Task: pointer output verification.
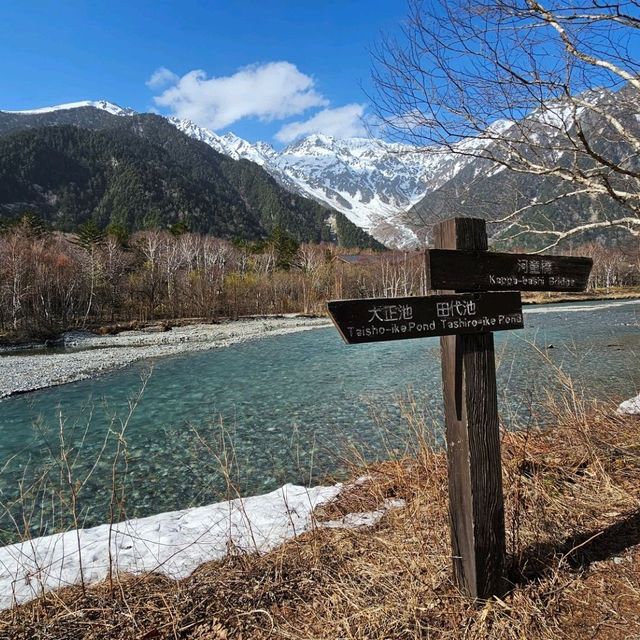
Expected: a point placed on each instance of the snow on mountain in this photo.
(111, 108)
(372, 182)
(377, 184)
(394, 191)
(229, 144)
(198, 133)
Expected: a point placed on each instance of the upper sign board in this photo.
(380, 319)
(488, 271)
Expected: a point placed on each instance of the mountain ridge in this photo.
(396, 191)
(371, 182)
(141, 171)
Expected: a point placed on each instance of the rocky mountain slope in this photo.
(370, 181)
(590, 135)
(398, 191)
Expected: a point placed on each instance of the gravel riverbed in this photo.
(90, 354)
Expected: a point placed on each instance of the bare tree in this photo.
(14, 257)
(546, 88)
(149, 244)
(115, 263)
(310, 260)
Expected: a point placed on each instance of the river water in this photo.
(280, 409)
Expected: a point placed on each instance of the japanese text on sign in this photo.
(456, 308)
(482, 271)
(391, 313)
(535, 267)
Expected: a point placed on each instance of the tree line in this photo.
(51, 281)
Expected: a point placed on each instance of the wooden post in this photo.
(476, 505)
(460, 261)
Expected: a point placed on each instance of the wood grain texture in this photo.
(473, 441)
(380, 319)
(484, 271)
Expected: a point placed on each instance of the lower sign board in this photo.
(488, 271)
(379, 319)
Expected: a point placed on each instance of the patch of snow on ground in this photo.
(630, 407)
(366, 519)
(173, 543)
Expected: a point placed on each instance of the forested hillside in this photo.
(141, 172)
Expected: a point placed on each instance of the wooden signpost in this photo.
(378, 319)
(484, 271)
(459, 263)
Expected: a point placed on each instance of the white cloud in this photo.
(161, 77)
(269, 91)
(341, 122)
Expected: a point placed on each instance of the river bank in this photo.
(80, 355)
(86, 354)
(573, 543)
(554, 297)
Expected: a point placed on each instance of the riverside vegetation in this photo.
(572, 497)
(52, 281)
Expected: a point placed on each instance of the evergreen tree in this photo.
(178, 228)
(33, 224)
(352, 237)
(119, 232)
(30, 224)
(285, 247)
(90, 236)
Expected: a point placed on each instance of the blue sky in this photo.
(266, 70)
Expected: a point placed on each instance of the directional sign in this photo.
(379, 319)
(469, 389)
(487, 271)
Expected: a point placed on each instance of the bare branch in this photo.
(517, 88)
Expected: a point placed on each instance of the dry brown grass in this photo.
(573, 520)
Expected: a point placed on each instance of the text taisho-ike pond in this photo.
(279, 409)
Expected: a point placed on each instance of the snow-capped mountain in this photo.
(103, 105)
(549, 173)
(395, 192)
(68, 166)
(370, 181)
(373, 183)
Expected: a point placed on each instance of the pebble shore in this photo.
(90, 354)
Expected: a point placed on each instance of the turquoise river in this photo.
(249, 417)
